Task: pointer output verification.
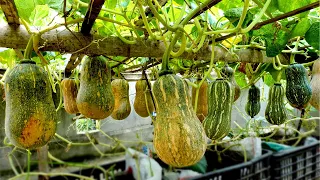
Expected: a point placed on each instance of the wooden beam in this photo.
(93, 11)
(64, 41)
(10, 11)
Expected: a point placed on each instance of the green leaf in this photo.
(275, 44)
(24, 8)
(54, 4)
(225, 5)
(268, 79)
(286, 5)
(312, 35)
(234, 14)
(200, 166)
(301, 28)
(180, 2)
(274, 73)
(39, 14)
(124, 3)
(8, 57)
(111, 4)
(240, 79)
(276, 39)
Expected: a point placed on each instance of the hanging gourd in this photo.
(31, 117)
(179, 138)
(202, 105)
(220, 98)
(120, 91)
(298, 89)
(70, 91)
(315, 85)
(275, 111)
(143, 104)
(95, 99)
(253, 103)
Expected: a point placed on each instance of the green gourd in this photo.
(275, 111)
(253, 103)
(217, 124)
(31, 117)
(298, 89)
(95, 99)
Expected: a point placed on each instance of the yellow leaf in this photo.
(228, 42)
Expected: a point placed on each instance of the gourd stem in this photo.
(166, 55)
(274, 64)
(182, 47)
(279, 76)
(29, 48)
(292, 61)
(218, 72)
(300, 121)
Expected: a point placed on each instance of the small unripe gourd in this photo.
(228, 72)
(31, 117)
(202, 106)
(275, 111)
(220, 98)
(315, 85)
(253, 103)
(298, 89)
(70, 91)
(143, 104)
(179, 138)
(120, 91)
(95, 99)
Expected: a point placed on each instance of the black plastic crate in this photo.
(301, 163)
(97, 174)
(255, 169)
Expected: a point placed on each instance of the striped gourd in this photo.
(179, 138)
(220, 98)
(298, 89)
(276, 112)
(253, 104)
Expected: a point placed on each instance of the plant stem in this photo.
(243, 15)
(29, 48)
(166, 55)
(255, 21)
(300, 121)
